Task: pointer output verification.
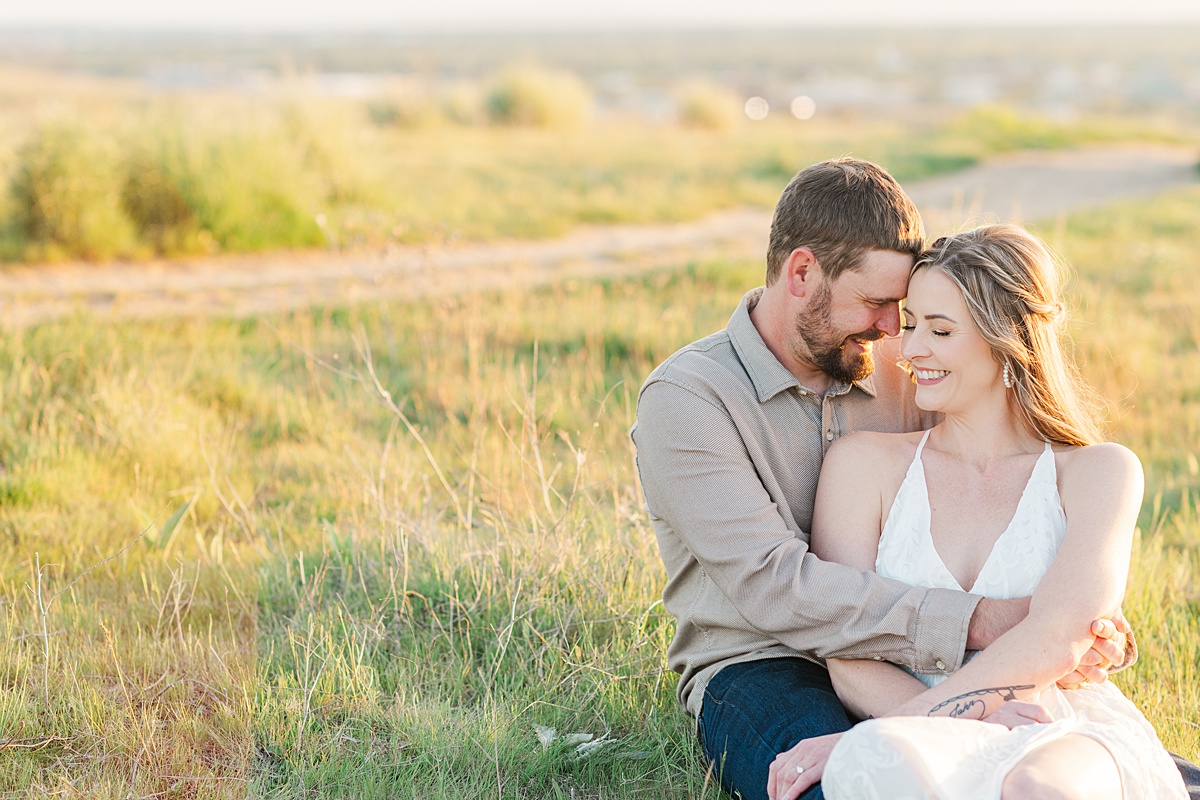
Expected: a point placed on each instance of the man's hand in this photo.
(1110, 639)
(993, 618)
(1016, 713)
(797, 769)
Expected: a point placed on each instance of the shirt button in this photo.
(879, 658)
(829, 436)
(940, 664)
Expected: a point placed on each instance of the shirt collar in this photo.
(766, 373)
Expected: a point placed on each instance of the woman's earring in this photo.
(1008, 380)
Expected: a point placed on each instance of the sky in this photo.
(484, 15)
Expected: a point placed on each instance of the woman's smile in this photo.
(929, 377)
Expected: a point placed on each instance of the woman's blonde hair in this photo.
(1012, 286)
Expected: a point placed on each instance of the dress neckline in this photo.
(919, 466)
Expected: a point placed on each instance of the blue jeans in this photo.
(1191, 776)
(756, 710)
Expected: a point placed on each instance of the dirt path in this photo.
(1028, 186)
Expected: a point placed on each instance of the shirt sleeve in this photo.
(699, 478)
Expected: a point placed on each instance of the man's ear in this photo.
(801, 271)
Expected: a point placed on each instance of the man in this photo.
(730, 436)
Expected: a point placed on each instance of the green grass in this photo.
(379, 589)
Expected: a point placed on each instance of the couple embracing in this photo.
(925, 535)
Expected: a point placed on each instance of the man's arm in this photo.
(698, 476)
(993, 618)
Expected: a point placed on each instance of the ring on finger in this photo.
(799, 770)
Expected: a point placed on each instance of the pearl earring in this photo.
(1008, 379)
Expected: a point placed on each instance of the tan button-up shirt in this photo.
(729, 448)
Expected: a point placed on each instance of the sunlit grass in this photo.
(379, 589)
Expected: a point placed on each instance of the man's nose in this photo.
(889, 323)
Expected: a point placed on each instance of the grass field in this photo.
(100, 169)
(367, 552)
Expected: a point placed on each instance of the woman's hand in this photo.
(797, 769)
(1016, 713)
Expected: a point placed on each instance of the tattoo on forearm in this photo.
(967, 708)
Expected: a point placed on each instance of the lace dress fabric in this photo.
(958, 759)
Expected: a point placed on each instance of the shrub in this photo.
(251, 190)
(66, 196)
(1001, 129)
(539, 98)
(703, 105)
(404, 105)
(155, 198)
(194, 186)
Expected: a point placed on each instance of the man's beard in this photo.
(826, 350)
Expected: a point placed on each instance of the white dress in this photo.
(960, 759)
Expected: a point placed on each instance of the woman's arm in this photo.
(1101, 494)
(1101, 490)
(872, 688)
(847, 521)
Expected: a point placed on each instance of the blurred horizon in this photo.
(450, 16)
(1061, 71)
(592, 26)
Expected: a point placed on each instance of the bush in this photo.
(178, 187)
(1000, 129)
(212, 186)
(155, 199)
(251, 190)
(702, 105)
(539, 98)
(66, 196)
(404, 105)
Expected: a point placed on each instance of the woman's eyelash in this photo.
(911, 326)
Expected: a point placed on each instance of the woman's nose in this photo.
(912, 345)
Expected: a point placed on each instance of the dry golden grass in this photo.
(379, 589)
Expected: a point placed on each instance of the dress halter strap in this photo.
(921, 446)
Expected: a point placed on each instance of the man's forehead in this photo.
(883, 275)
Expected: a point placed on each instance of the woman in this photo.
(1012, 494)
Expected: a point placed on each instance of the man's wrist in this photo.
(993, 618)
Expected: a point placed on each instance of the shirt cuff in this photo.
(940, 639)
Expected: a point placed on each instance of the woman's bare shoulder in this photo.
(1098, 466)
(1105, 455)
(872, 440)
(876, 450)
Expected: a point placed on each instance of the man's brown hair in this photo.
(840, 209)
